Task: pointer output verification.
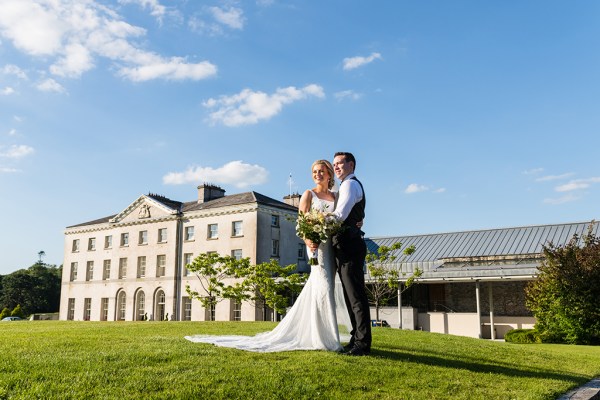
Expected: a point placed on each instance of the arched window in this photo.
(160, 306)
(140, 305)
(121, 306)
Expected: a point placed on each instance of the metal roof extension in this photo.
(493, 254)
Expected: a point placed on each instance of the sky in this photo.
(462, 115)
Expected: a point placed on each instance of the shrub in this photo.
(564, 297)
(522, 336)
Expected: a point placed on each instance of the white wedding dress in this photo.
(312, 322)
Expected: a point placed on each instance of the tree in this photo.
(384, 283)
(17, 312)
(5, 313)
(269, 284)
(225, 277)
(212, 270)
(564, 297)
(36, 289)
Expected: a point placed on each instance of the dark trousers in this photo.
(350, 256)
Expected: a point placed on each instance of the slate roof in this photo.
(482, 254)
(231, 200)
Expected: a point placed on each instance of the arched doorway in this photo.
(121, 305)
(140, 306)
(159, 306)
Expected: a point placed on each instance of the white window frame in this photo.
(106, 270)
(237, 229)
(162, 235)
(108, 242)
(161, 265)
(189, 233)
(141, 267)
(274, 248)
(75, 246)
(125, 239)
(73, 275)
(237, 254)
(143, 238)
(89, 271)
(123, 268)
(92, 244)
(213, 233)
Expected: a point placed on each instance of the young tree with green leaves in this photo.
(564, 297)
(269, 283)
(384, 280)
(213, 270)
(224, 277)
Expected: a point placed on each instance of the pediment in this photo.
(144, 208)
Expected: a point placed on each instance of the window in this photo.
(73, 276)
(122, 268)
(104, 309)
(236, 228)
(189, 233)
(237, 254)
(143, 237)
(236, 310)
(71, 310)
(141, 267)
(187, 308)
(108, 242)
(213, 231)
(161, 263)
(75, 247)
(188, 258)
(301, 251)
(89, 271)
(210, 312)
(124, 239)
(160, 306)
(140, 306)
(274, 248)
(162, 235)
(274, 220)
(87, 308)
(106, 270)
(121, 306)
(91, 244)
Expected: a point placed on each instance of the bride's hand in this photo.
(311, 245)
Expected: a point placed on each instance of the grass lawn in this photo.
(151, 360)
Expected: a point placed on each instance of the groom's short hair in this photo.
(347, 156)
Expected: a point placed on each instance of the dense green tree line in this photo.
(35, 290)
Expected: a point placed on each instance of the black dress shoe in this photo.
(349, 346)
(358, 351)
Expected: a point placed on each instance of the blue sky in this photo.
(462, 114)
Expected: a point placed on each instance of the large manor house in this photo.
(131, 266)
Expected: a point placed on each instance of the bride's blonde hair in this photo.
(329, 169)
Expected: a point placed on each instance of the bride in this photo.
(312, 322)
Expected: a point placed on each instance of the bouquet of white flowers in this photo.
(317, 226)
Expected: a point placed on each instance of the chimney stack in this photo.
(292, 199)
(207, 192)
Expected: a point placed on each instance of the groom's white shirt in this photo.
(350, 193)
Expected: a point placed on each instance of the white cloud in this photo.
(440, 190)
(577, 184)
(7, 91)
(533, 171)
(174, 69)
(355, 62)
(5, 170)
(232, 17)
(347, 94)
(16, 151)
(554, 177)
(235, 173)
(415, 188)
(17, 118)
(10, 69)
(561, 200)
(50, 85)
(71, 34)
(248, 107)
(157, 10)
(12, 132)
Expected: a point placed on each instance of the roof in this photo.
(492, 254)
(236, 199)
(231, 200)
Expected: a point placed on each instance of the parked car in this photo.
(381, 322)
(12, 319)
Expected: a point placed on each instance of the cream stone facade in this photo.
(131, 266)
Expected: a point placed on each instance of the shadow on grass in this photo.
(479, 367)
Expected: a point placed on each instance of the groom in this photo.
(350, 252)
